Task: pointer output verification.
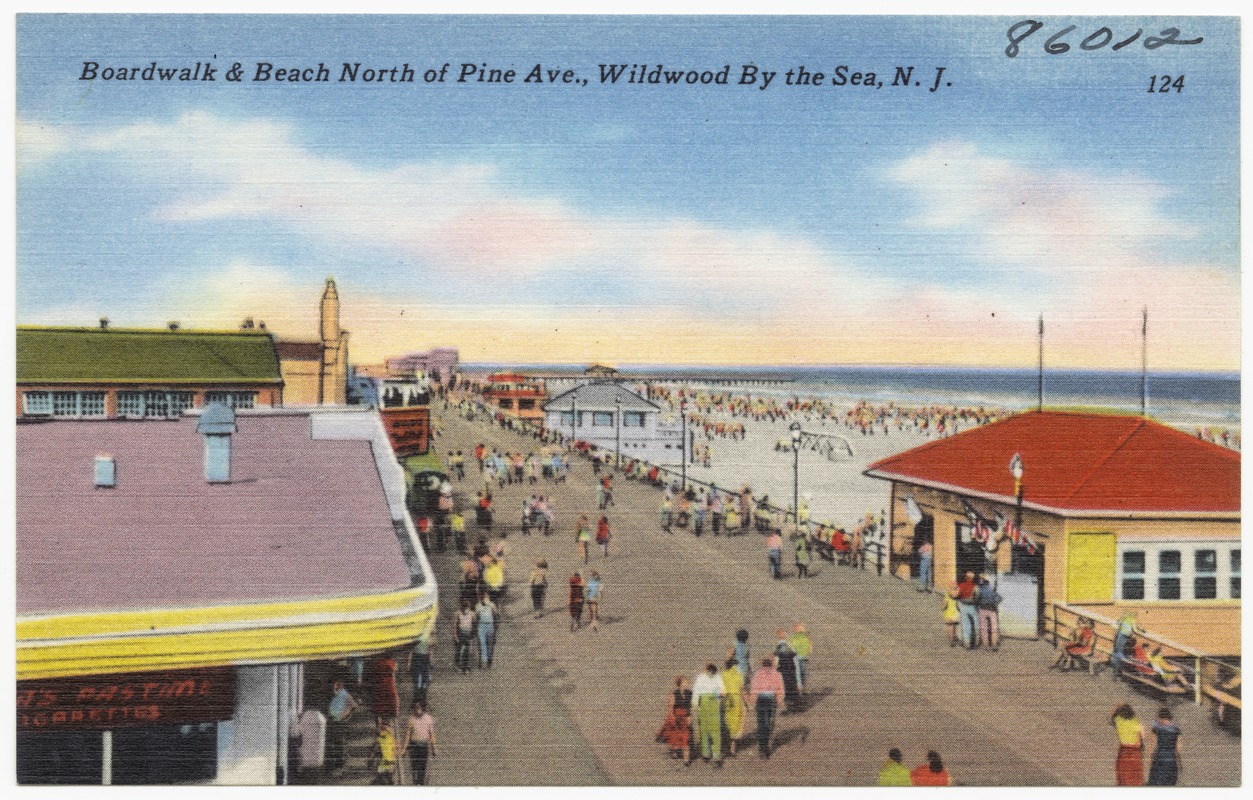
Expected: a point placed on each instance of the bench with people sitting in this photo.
(1081, 651)
(1152, 670)
(820, 542)
(833, 544)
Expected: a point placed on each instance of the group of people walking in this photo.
(718, 701)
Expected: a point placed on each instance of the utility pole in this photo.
(1144, 361)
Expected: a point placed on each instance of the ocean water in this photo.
(1184, 399)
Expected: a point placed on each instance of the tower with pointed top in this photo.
(333, 385)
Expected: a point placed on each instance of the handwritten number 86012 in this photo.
(1102, 37)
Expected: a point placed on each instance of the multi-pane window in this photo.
(602, 419)
(154, 404)
(130, 404)
(180, 402)
(1200, 570)
(1205, 575)
(91, 404)
(1169, 567)
(64, 404)
(236, 400)
(37, 402)
(567, 418)
(633, 419)
(1133, 575)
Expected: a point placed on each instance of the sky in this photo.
(629, 223)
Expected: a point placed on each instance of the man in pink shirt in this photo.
(764, 692)
(774, 549)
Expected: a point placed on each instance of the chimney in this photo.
(105, 471)
(217, 424)
(104, 323)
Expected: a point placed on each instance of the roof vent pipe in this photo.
(217, 424)
(105, 472)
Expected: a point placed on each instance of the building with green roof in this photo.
(142, 373)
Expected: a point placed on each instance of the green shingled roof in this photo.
(92, 355)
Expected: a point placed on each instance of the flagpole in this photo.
(1040, 373)
(1144, 361)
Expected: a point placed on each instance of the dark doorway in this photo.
(60, 757)
(165, 754)
(924, 532)
(971, 555)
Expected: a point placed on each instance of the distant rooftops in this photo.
(1079, 463)
(102, 355)
(600, 396)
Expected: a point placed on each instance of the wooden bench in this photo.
(1131, 672)
(1090, 659)
(822, 547)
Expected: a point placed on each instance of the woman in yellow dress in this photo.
(734, 703)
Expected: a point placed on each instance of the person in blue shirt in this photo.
(592, 593)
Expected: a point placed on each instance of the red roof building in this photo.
(1111, 514)
(1079, 464)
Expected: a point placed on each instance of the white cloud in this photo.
(1089, 239)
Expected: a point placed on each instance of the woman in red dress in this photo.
(385, 702)
(676, 731)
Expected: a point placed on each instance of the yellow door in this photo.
(1091, 560)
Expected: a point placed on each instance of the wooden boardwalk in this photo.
(583, 708)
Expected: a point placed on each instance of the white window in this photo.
(154, 404)
(1205, 575)
(91, 404)
(37, 402)
(235, 400)
(64, 404)
(602, 419)
(1178, 570)
(1169, 569)
(1133, 575)
(130, 404)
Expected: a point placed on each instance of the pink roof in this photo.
(300, 519)
(1080, 462)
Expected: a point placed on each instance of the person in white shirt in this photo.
(707, 693)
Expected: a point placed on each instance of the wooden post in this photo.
(1196, 680)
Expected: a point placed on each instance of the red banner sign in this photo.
(106, 702)
(408, 428)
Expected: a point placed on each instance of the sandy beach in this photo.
(836, 489)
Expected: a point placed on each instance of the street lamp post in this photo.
(683, 442)
(1015, 469)
(573, 417)
(617, 434)
(795, 428)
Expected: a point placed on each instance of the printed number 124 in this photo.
(1162, 84)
